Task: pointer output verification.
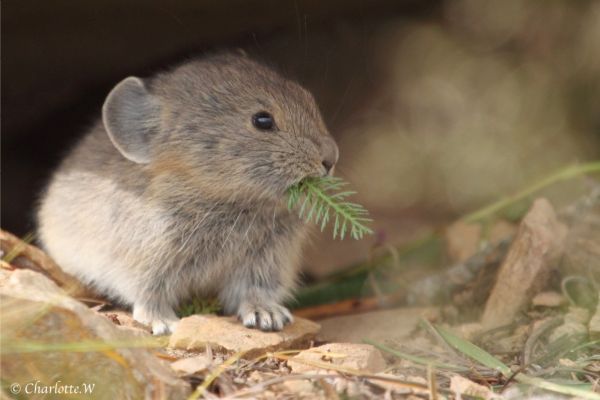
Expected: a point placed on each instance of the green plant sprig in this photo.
(320, 204)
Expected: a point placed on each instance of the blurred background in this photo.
(439, 107)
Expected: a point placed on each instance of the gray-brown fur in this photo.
(175, 193)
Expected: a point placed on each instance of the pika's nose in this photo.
(329, 154)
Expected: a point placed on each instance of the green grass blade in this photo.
(485, 358)
(473, 351)
(416, 359)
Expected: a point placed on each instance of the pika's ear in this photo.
(131, 116)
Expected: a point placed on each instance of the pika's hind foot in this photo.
(266, 317)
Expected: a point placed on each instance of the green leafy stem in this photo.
(322, 200)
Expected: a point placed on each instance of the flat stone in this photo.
(526, 269)
(360, 357)
(385, 325)
(548, 299)
(192, 365)
(227, 334)
(34, 310)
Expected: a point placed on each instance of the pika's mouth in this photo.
(318, 172)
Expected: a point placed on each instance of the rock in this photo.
(192, 365)
(25, 255)
(526, 269)
(301, 387)
(34, 311)
(395, 324)
(460, 386)
(594, 326)
(227, 334)
(462, 240)
(574, 324)
(361, 357)
(548, 299)
(342, 385)
(400, 387)
(501, 230)
(513, 342)
(124, 320)
(469, 330)
(582, 246)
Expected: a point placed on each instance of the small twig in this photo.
(320, 199)
(510, 379)
(431, 383)
(350, 306)
(330, 393)
(261, 386)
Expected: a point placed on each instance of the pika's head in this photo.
(224, 122)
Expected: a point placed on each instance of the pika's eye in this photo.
(263, 121)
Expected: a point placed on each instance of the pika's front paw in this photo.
(266, 317)
(163, 324)
(164, 327)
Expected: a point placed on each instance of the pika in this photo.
(179, 189)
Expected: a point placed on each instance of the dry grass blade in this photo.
(214, 375)
(358, 373)
(18, 247)
(84, 346)
(432, 383)
(262, 386)
(322, 365)
(412, 386)
(14, 248)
